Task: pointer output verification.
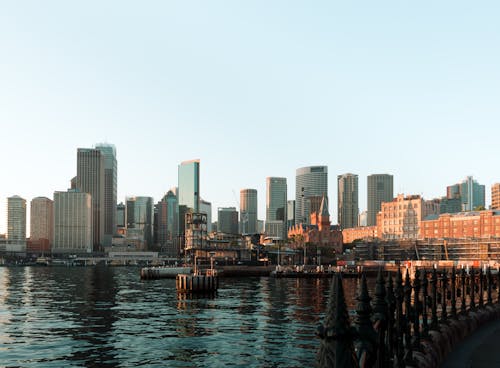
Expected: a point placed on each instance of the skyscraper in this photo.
(276, 206)
(110, 190)
(380, 189)
(348, 208)
(290, 213)
(140, 221)
(90, 179)
(227, 220)
(72, 222)
(248, 211)
(310, 182)
(42, 220)
(206, 208)
(495, 196)
(471, 193)
(189, 185)
(16, 223)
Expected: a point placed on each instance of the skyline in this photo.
(252, 90)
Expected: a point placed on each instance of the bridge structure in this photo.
(409, 322)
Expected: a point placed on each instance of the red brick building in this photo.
(474, 224)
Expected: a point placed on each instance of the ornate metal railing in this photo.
(410, 322)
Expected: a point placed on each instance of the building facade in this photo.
(206, 208)
(380, 188)
(248, 211)
(140, 222)
(290, 213)
(310, 181)
(227, 220)
(463, 225)
(348, 206)
(110, 190)
(41, 224)
(359, 233)
(188, 192)
(495, 196)
(276, 206)
(470, 192)
(72, 222)
(90, 179)
(16, 224)
(401, 218)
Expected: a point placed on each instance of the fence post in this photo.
(425, 285)
(366, 336)
(490, 286)
(380, 312)
(417, 309)
(408, 319)
(444, 296)
(472, 285)
(463, 306)
(481, 287)
(434, 318)
(453, 293)
(391, 306)
(399, 320)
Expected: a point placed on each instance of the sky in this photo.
(252, 89)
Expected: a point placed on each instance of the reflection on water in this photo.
(108, 317)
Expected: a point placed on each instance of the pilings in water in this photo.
(197, 283)
(413, 323)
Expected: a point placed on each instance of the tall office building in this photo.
(227, 220)
(167, 222)
(72, 222)
(471, 193)
(42, 220)
(248, 211)
(206, 208)
(189, 185)
(16, 223)
(110, 190)
(495, 196)
(310, 182)
(290, 213)
(140, 221)
(348, 208)
(380, 189)
(90, 179)
(276, 206)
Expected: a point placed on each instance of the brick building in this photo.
(473, 224)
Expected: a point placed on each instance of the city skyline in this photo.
(253, 91)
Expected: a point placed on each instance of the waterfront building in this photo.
(463, 225)
(72, 222)
(206, 208)
(90, 179)
(110, 190)
(359, 233)
(319, 237)
(401, 218)
(16, 224)
(41, 225)
(248, 211)
(290, 213)
(276, 205)
(310, 181)
(227, 220)
(380, 188)
(189, 185)
(348, 208)
(471, 194)
(140, 222)
(495, 196)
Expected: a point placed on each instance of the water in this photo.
(108, 317)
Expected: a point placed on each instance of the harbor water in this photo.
(108, 317)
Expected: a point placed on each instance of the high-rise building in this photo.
(72, 222)
(206, 208)
(90, 179)
(290, 213)
(470, 192)
(276, 206)
(16, 224)
(248, 211)
(495, 196)
(348, 208)
(42, 220)
(310, 182)
(140, 221)
(167, 222)
(189, 185)
(362, 218)
(227, 220)
(110, 190)
(380, 189)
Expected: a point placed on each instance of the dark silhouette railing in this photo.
(411, 322)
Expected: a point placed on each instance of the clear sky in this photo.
(251, 88)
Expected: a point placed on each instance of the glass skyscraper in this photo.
(348, 207)
(140, 221)
(189, 185)
(110, 191)
(311, 183)
(380, 189)
(276, 206)
(248, 211)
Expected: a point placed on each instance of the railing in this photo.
(410, 322)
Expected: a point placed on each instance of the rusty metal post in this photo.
(453, 293)
(425, 292)
(380, 312)
(336, 344)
